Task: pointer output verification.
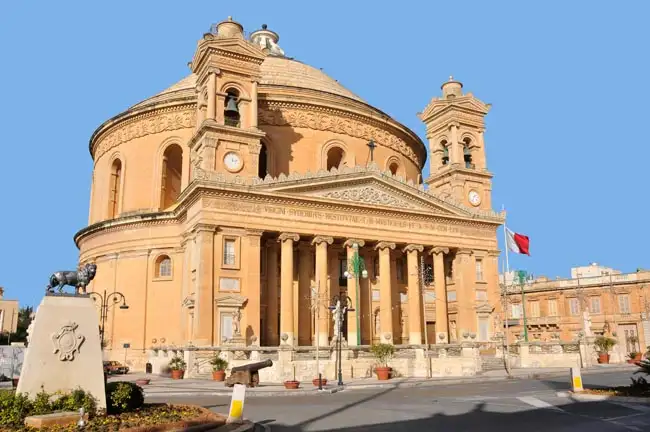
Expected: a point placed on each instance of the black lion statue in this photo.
(78, 279)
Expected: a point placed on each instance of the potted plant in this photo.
(634, 357)
(315, 381)
(604, 345)
(634, 340)
(177, 366)
(292, 384)
(383, 353)
(219, 367)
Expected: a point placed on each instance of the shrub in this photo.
(218, 364)
(122, 396)
(383, 353)
(177, 363)
(604, 344)
(13, 408)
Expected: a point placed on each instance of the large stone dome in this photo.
(276, 71)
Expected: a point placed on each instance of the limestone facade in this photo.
(595, 301)
(219, 205)
(8, 314)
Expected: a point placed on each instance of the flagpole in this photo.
(505, 244)
(505, 296)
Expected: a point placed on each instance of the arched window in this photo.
(393, 167)
(467, 153)
(263, 163)
(231, 108)
(172, 170)
(163, 267)
(445, 152)
(115, 189)
(334, 157)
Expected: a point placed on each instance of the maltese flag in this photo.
(517, 243)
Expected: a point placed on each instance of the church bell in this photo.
(231, 106)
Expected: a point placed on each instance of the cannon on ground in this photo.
(247, 374)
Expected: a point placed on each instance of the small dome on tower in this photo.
(230, 29)
(452, 88)
(268, 41)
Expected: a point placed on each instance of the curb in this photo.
(586, 397)
(245, 426)
(248, 394)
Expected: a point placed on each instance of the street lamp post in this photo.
(356, 269)
(105, 301)
(317, 300)
(340, 307)
(522, 275)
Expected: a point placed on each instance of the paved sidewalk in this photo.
(164, 386)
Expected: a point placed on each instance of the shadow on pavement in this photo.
(585, 416)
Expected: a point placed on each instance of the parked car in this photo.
(115, 367)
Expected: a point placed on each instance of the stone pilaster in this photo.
(272, 309)
(412, 252)
(385, 295)
(204, 310)
(212, 95)
(353, 290)
(321, 243)
(286, 288)
(442, 320)
(251, 328)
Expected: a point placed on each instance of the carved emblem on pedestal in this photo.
(67, 342)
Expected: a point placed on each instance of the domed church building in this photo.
(231, 208)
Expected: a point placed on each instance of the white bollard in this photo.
(236, 413)
(576, 380)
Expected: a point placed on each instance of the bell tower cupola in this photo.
(227, 67)
(455, 123)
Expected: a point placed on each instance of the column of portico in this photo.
(442, 320)
(353, 290)
(321, 243)
(465, 275)
(286, 288)
(272, 310)
(412, 252)
(385, 295)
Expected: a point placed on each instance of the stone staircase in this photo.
(491, 363)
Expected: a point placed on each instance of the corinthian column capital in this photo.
(322, 239)
(288, 236)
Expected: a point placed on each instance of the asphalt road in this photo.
(514, 405)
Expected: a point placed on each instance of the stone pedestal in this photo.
(64, 350)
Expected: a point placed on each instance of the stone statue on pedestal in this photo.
(236, 323)
(586, 322)
(78, 279)
(336, 316)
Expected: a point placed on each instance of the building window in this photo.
(399, 267)
(375, 266)
(429, 296)
(335, 157)
(594, 306)
(574, 306)
(534, 309)
(263, 163)
(115, 191)
(343, 267)
(229, 252)
(375, 295)
(552, 307)
(479, 270)
(624, 304)
(516, 310)
(467, 153)
(393, 167)
(451, 295)
(172, 171)
(163, 267)
(231, 108)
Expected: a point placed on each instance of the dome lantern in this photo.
(268, 41)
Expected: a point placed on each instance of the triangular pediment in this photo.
(467, 102)
(231, 300)
(368, 187)
(239, 47)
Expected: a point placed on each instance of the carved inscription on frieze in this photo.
(345, 218)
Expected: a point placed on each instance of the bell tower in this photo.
(455, 124)
(227, 67)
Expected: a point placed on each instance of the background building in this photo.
(218, 204)
(596, 299)
(8, 314)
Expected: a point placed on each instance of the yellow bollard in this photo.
(576, 380)
(236, 413)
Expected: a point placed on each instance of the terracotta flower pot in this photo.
(291, 385)
(383, 373)
(177, 374)
(142, 381)
(637, 357)
(218, 375)
(315, 381)
(603, 358)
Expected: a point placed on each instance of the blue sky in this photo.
(566, 137)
